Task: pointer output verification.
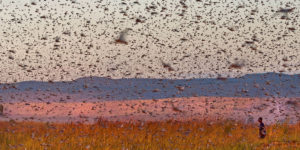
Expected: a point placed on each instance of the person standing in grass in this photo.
(262, 129)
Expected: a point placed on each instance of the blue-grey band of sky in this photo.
(173, 39)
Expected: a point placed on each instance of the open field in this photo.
(245, 110)
(194, 123)
(146, 135)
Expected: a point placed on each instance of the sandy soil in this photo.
(273, 110)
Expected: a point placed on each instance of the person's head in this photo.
(260, 119)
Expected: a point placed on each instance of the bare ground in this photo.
(247, 110)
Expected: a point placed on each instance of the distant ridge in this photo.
(251, 85)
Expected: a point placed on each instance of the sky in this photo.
(171, 39)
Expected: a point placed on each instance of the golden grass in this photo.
(148, 135)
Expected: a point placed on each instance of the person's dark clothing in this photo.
(262, 130)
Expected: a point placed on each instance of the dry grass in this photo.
(147, 135)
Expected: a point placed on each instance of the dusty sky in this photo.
(64, 40)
